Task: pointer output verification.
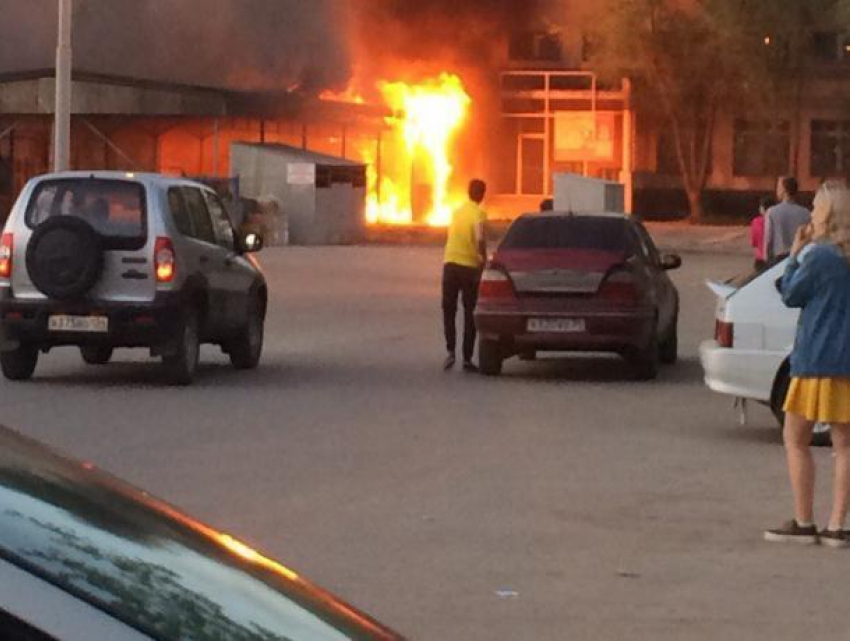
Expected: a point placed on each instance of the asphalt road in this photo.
(562, 501)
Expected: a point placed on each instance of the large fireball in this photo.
(417, 176)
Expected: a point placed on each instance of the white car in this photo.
(754, 333)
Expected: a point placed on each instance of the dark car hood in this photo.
(150, 565)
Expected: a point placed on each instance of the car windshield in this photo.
(114, 208)
(150, 566)
(568, 232)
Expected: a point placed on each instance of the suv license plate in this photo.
(556, 325)
(93, 324)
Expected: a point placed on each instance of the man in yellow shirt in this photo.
(466, 253)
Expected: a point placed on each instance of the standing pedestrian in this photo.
(783, 220)
(757, 232)
(466, 253)
(817, 280)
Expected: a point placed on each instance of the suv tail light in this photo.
(6, 247)
(495, 283)
(724, 333)
(164, 260)
(619, 286)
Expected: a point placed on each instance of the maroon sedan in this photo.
(584, 283)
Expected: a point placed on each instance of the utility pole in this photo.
(62, 112)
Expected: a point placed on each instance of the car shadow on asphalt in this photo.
(766, 435)
(292, 371)
(142, 375)
(604, 368)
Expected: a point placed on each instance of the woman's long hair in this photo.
(833, 200)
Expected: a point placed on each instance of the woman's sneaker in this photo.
(835, 538)
(790, 532)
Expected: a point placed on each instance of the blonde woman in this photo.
(817, 280)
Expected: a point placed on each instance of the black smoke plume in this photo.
(241, 44)
(467, 33)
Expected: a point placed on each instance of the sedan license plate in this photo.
(556, 325)
(88, 324)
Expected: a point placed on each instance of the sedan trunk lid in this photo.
(558, 271)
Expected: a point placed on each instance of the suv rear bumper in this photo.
(130, 324)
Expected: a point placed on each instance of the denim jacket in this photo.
(818, 282)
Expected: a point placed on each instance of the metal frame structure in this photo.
(592, 95)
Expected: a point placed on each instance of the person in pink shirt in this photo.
(757, 233)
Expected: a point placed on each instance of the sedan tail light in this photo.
(619, 286)
(724, 333)
(6, 247)
(495, 284)
(164, 260)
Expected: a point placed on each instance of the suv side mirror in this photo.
(671, 261)
(250, 241)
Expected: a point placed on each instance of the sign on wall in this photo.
(584, 136)
(298, 173)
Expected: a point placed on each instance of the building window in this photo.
(761, 148)
(536, 46)
(830, 148)
(7, 177)
(829, 47)
(825, 46)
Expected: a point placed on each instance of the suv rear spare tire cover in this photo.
(64, 257)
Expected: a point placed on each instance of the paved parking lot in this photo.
(562, 501)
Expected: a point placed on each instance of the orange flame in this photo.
(427, 117)
(349, 95)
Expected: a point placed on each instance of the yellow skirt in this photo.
(826, 400)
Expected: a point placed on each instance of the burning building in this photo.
(437, 92)
(538, 107)
(137, 125)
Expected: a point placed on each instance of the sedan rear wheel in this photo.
(669, 347)
(490, 357)
(645, 361)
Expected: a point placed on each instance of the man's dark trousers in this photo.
(459, 279)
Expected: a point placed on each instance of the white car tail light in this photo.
(164, 260)
(6, 247)
(724, 333)
(495, 284)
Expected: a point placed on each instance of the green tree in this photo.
(789, 64)
(690, 60)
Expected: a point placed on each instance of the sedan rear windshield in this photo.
(568, 232)
(114, 208)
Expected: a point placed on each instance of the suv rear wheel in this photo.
(96, 354)
(19, 364)
(182, 366)
(245, 350)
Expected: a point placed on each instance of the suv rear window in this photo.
(568, 232)
(114, 208)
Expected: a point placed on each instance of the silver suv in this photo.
(102, 260)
